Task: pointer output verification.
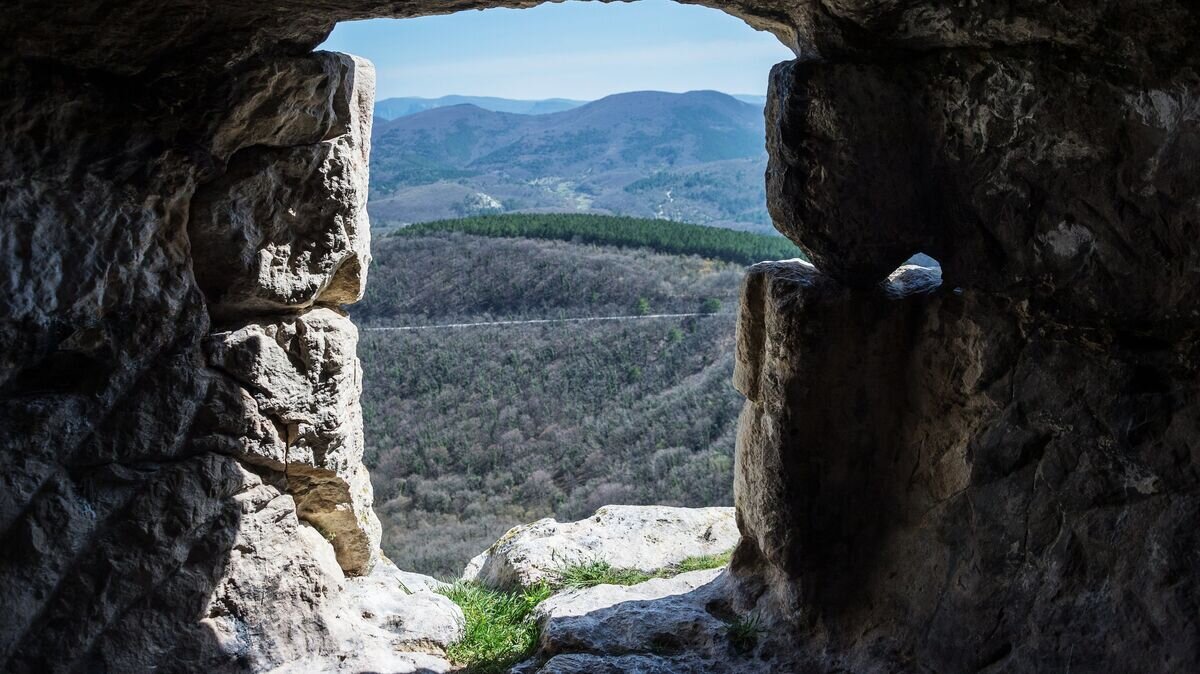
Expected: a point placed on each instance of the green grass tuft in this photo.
(744, 632)
(598, 572)
(499, 630)
(591, 574)
(703, 562)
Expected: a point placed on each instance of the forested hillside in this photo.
(664, 236)
(472, 430)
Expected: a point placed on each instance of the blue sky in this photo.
(582, 50)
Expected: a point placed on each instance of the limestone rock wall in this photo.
(179, 390)
(992, 467)
(944, 478)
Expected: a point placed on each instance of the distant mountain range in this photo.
(392, 108)
(697, 157)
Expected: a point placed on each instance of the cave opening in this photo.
(539, 338)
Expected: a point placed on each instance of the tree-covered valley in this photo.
(472, 430)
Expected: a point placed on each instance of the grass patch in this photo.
(499, 631)
(703, 562)
(599, 572)
(744, 632)
(591, 574)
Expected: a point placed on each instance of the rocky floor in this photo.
(396, 622)
(682, 624)
(689, 622)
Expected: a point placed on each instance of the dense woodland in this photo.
(473, 430)
(664, 236)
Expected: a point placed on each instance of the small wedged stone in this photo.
(647, 538)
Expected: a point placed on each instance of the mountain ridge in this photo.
(695, 156)
(395, 107)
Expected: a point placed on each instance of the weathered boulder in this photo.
(573, 663)
(407, 608)
(285, 226)
(678, 624)
(647, 538)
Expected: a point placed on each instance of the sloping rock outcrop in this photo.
(284, 602)
(286, 396)
(646, 538)
(679, 624)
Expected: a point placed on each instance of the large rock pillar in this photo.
(997, 468)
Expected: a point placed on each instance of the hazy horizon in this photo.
(575, 50)
(459, 94)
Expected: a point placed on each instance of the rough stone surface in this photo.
(286, 396)
(678, 624)
(407, 608)
(284, 603)
(137, 540)
(648, 538)
(286, 226)
(943, 477)
(1065, 202)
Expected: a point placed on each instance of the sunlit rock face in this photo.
(285, 227)
(997, 470)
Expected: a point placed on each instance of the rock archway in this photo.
(996, 470)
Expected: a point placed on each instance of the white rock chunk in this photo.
(285, 606)
(647, 538)
(286, 225)
(406, 608)
(286, 397)
(664, 614)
